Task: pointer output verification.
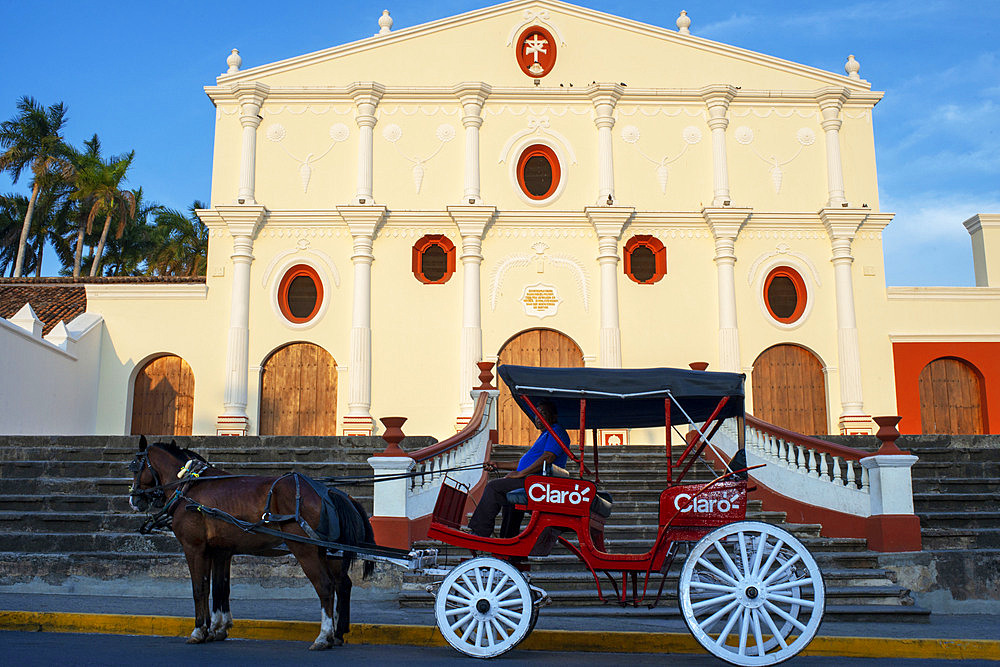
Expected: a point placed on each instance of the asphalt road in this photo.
(24, 649)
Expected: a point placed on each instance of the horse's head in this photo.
(152, 467)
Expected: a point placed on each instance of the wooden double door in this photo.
(789, 389)
(534, 347)
(163, 397)
(298, 393)
(951, 398)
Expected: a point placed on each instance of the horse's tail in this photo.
(369, 566)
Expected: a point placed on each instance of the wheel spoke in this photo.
(755, 621)
(501, 634)
(510, 613)
(489, 580)
(794, 583)
(457, 610)
(717, 572)
(785, 615)
(503, 581)
(706, 624)
(781, 570)
(506, 621)
(724, 635)
(468, 629)
(460, 622)
(743, 552)
(759, 555)
(774, 628)
(490, 639)
(507, 593)
(713, 601)
(792, 601)
(479, 632)
(728, 561)
(462, 601)
(511, 602)
(770, 558)
(744, 622)
(471, 588)
(479, 580)
(710, 587)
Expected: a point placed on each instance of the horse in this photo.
(192, 496)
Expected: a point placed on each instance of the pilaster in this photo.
(725, 224)
(609, 222)
(831, 101)
(717, 98)
(984, 231)
(604, 97)
(366, 96)
(251, 95)
(472, 96)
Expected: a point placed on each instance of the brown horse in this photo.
(187, 489)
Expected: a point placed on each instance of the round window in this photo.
(433, 259)
(300, 294)
(538, 172)
(785, 294)
(645, 259)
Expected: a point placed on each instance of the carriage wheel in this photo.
(751, 594)
(484, 607)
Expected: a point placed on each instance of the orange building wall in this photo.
(910, 358)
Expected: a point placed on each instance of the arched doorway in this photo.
(163, 397)
(534, 347)
(298, 392)
(951, 398)
(789, 389)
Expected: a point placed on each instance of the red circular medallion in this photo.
(536, 52)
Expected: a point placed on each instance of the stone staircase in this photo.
(65, 521)
(857, 588)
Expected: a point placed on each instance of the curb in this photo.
(540, 640)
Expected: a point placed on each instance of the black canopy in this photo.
(625, 397)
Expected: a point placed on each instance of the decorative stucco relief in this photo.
(548, 110)
(393, 133)
(297, 232)
(800, 234)
(302, 248)
(535, 232)
(804, 136)
(766, 113)
(532, 17)
(539, 125)
(276, 132)
(690, 136)
(661, 111)
(540, 258)
(298, 110)
(420, 108)
(782, 250)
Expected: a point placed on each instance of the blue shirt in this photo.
(546, 443)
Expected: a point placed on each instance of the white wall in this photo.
(48, 386)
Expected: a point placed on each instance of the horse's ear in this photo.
(142, 443)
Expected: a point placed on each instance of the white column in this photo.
(472, 222)
(726, 224)
(251, 97)
(831, 100)
(366, 97)
(604, 97)
(363, 222)
(717, 99)
(472, 95)
(609, 222)
(842, 225)
(243, 222)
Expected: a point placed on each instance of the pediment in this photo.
(590, 45)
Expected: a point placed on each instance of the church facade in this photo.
(543, 184)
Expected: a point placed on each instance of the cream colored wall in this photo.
(226, 154)
(857, 141)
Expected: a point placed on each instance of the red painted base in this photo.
(893, 532)
(392, 531)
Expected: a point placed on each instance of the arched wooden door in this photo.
(951, 398)
(789, 389)
(163, 397)
(534, 347)
(298, 394)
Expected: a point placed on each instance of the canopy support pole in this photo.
(670, 457)
(583, 434)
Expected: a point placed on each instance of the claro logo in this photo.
(540, 492)
(702, 505)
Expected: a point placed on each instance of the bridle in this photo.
(155, 494)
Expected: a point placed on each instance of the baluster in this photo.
(850, 481)
(774, 447)
(789, 454)
(812, 468)
(838, 476)
(800, 457)
(824, 468)
(864, 480)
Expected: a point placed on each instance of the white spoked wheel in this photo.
(751, 594)
(484, 607)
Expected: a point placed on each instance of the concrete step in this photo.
(981, 485)
(984, 519)
(54, 543)
(958, 502)
(56, 468)
(961, 538)
(946, 468)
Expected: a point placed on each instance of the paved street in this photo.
(25, 649)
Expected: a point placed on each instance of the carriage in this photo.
(749, 592)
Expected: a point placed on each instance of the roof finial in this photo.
(852, 67)
(234, 61)
(384, 23)
(683, 23)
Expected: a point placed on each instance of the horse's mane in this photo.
(180, 452)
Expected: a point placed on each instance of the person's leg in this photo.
(494, 497)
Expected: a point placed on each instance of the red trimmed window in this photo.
(785, 294)
(536, 52)
(645, 259)
(300, 294)
(538, 172)
(433, 259)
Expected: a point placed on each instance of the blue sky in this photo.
(133, 73)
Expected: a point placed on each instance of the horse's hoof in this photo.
(196, 640)
(338, 641)
(319, 646)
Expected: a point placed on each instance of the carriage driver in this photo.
(545, 450)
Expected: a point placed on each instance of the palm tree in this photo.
(53, 217)
(183, 249)
(128, 254)
(12, 208)
(32, 140)
(103, 185)
(85, 162)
